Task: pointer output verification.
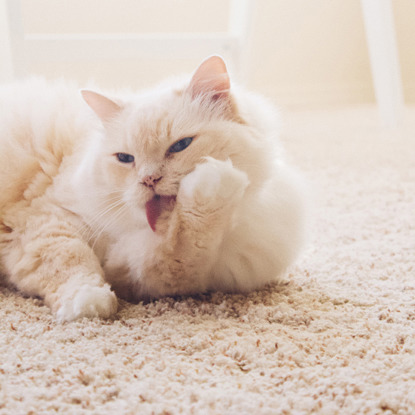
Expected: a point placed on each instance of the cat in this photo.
(177, 190)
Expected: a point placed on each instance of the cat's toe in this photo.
(88, 301)
(214, 179)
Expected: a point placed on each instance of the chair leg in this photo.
(6, 59)
(12, 59)
(381, 40)
(240, 26)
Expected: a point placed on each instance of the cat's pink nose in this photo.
(150, 181)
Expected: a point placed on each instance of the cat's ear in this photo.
(211, 78)
(105, 108)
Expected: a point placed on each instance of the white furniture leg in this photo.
(12, 60)
(6, 59)
(240, 28)
(381, 40)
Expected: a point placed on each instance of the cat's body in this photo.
(176, 191)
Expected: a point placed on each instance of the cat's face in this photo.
(152, 141)
(152, 146)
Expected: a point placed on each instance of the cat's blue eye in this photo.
(181, 145)
(124, 157)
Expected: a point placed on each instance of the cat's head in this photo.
(152, 140)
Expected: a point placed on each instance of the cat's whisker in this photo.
(102, 193)
(106, 210)
(95, 232)
(111, 222)
(86, 231)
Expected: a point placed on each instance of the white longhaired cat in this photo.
(177, 190)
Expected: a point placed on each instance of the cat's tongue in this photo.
(155, 206)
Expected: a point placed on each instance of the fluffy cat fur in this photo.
(78, 220)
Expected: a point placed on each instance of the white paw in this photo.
(87, 301)
(214, 179)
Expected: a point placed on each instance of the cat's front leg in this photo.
(84, 295)
(45, 256)
(205, 208)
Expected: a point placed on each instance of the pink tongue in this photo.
(155, 206)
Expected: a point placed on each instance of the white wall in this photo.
(315, 51)
(302, 52)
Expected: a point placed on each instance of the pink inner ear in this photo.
(102, 106)
(211, 78)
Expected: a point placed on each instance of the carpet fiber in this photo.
(338, 337)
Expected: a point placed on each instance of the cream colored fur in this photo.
(72, 216)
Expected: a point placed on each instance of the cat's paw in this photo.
(214, 180)
(87, 301)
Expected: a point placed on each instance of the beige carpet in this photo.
(337, 338)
